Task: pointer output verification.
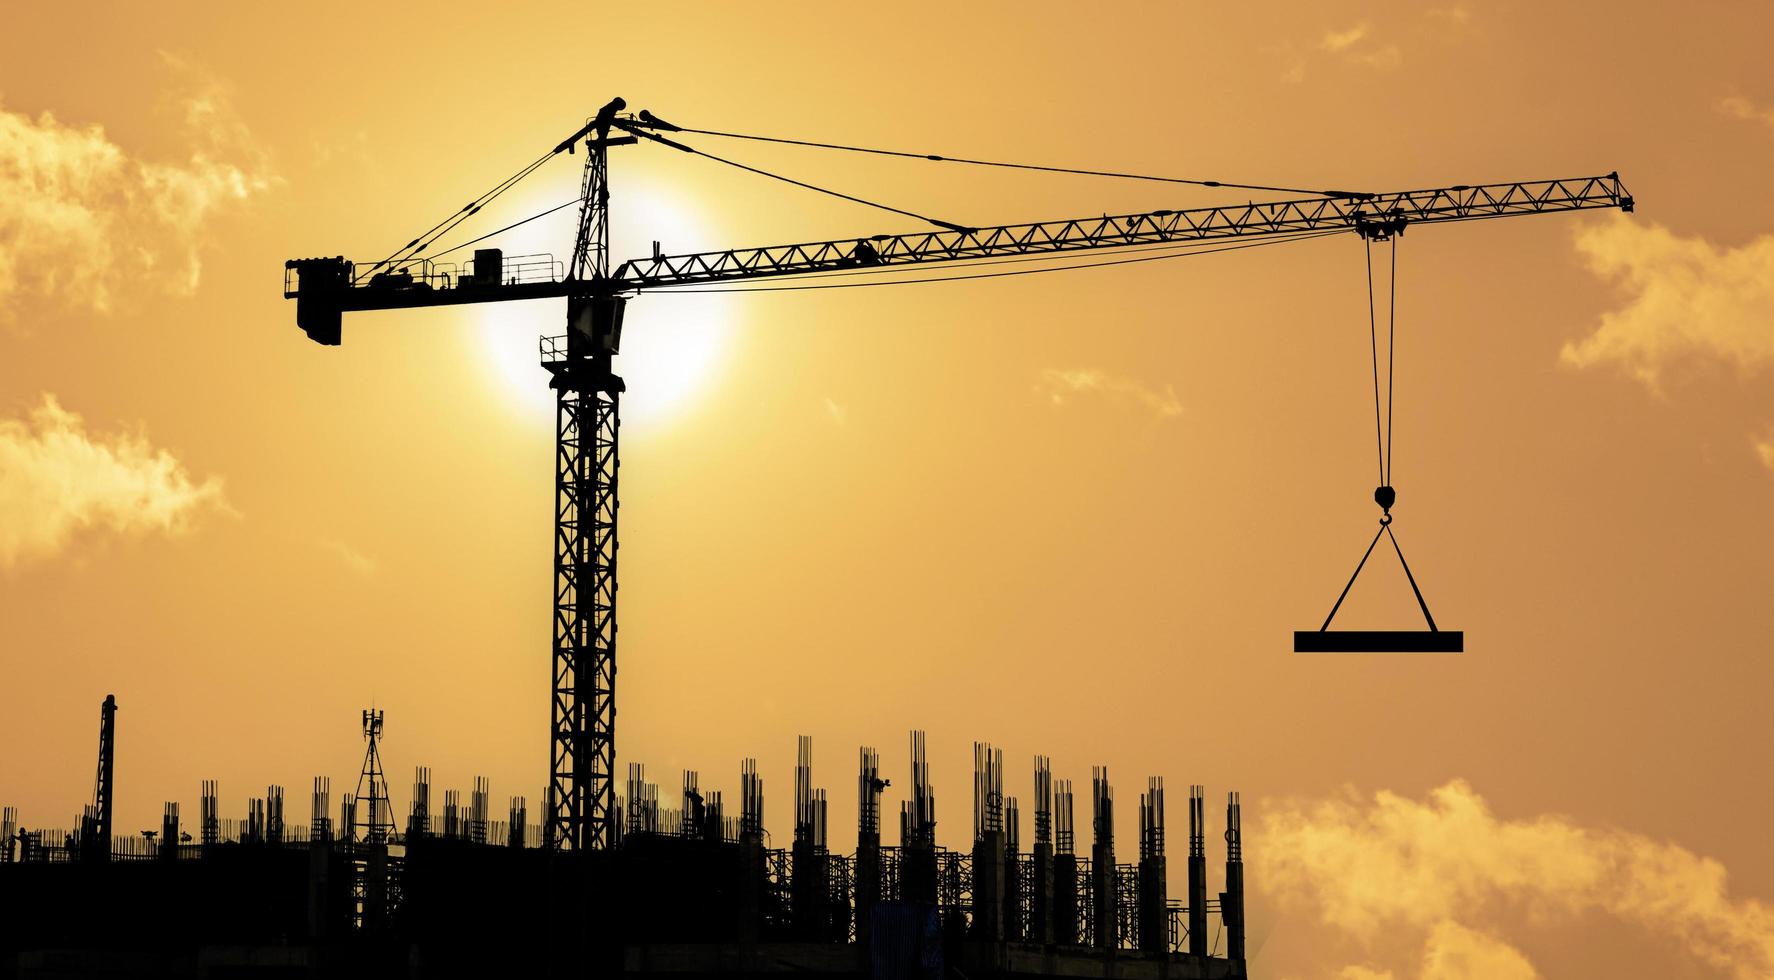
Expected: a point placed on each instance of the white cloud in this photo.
(81, 217)
(1343, 40)
(1687, 298)
(1455, 952)
(57, 479)
(1437, 866)
(1063, 385)
(1457, 15)
(355, 560)
(1738, 107)
(1764, 449)
(1356, 46)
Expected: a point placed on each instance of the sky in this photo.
(1076, 514)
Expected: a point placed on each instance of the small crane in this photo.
(588, 390)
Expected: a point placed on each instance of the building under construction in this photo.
(691, 884)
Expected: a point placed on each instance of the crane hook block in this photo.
(1385, 497)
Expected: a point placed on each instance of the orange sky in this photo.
(1077, 514)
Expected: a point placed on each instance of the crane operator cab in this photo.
(596, 325)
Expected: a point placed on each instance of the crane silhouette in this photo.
(589, 392)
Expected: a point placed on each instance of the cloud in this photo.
(80, 217)
(1355, 46)
(1738, 107)
(1455, 952)
(1061, 386)
(1457, 15)
(1687, 298)
(355, 560)
(1343, 40)
(1764, 449)
(57, 479)
(1437, 865)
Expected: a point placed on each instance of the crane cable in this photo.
(501, 231)
(648, 119)
(640, 128)
(430, 236)
(655, 137)
(1384, 495)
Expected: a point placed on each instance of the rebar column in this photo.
(1065, 870)
(1041, 899)
(1015, 900)
(1197, 871)
(1104, 893)
(1232, 899)
(917, 833)
(751, 852)
(988, 843)
(867, 872)
(169, 831)
(1154, 915)
(810, 872)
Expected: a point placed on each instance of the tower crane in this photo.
(589, 392)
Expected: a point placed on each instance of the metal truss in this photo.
(1379, 215)
(583, 705)
(1374, 216)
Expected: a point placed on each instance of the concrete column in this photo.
(1041, 897)
(867, 874)
(1065, 901)
(1013, 924)
(918, 873)
(1197, 905)
(988, 887)
(808, 891)
(1103, 896)
(751, 890)
(1154, 916)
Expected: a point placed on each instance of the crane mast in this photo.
(588, 399)
(580, 810)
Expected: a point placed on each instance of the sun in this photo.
(672, 349)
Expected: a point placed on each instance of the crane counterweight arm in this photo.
(1380, 216)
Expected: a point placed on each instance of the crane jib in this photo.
(326, 287)
(1379, 216)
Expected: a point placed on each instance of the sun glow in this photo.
(671, 348)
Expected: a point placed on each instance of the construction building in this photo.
(687, 887)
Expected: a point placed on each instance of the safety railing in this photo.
(427, 274)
